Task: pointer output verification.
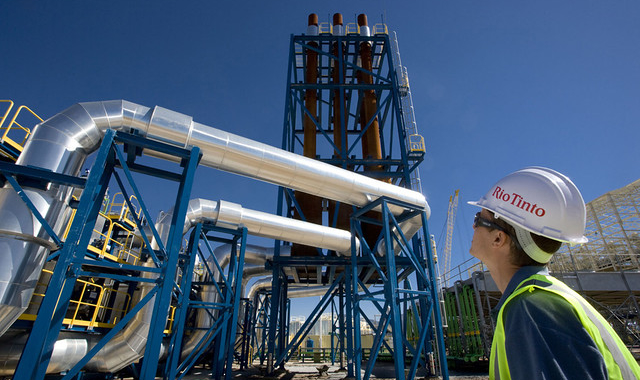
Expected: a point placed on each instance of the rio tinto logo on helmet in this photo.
(517, 200)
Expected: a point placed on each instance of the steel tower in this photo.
(348, 104)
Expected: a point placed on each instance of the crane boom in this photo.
(451, 219)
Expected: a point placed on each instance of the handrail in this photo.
(5, 138)
(352, 28)
(380, 29)
(170, 319)
(76, 304)
(325, 28)
(108, 243)
(416, 143)
(8, 110)
(125, 252)
(122, 209)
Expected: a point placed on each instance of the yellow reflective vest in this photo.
(619, 362)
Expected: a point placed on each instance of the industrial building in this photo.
(95, 286)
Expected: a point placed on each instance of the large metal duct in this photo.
(63, 142)
(258, 223)
(128, 346)
(293, 291)
(256, 257)
(68, 349)
(123, 349)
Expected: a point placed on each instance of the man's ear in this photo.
(499, 239)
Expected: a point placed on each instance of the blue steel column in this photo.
(168, 273)
(275, 291)
(237, 288)
(273, 320)
(391, 295)
(354, 349)
(442, 355)
(37, 352)
(175, 345)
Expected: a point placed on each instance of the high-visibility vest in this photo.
(618, 360)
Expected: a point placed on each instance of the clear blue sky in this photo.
(497, 85)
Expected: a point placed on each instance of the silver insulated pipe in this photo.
(258, 223)
(63, 142)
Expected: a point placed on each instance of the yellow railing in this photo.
(87, 306)
(325, 28)
(121, 249)
(380, 29)
(121, 209)
(416, 143)
(352, 28)
(19, 138)
(172, 315)
(126, 247)
(6, 114)
(73, 215)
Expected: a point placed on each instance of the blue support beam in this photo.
(175, 343)
(168, 274)
(47, 325)
(71, 263)
(223, 311)
(409, 260)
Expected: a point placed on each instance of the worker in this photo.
(544, 329)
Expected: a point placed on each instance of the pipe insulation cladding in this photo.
(63, 142)
(232, 215)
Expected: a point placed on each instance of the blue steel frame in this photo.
(262, 300)
(222, 333)
(246, 334)
(397, 163)
(288, 351)
(396, 160)
(72, 264)
(392, 269)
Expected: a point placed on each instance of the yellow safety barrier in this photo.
(66, 230)
(380, 29)
(126, 247)
(352, 28)
(114, 240)
(416, 143)
(18, 139)
(87, 306)
(120, 210)
(325, 28)
(123, 249)
(172, 315)
(6, 114)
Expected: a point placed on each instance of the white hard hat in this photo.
(539, 200)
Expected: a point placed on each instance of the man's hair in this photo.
(518, 256)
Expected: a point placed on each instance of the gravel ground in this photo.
(309, 371)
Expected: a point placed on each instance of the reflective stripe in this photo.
(618, 360)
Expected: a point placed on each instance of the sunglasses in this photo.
(479, 221)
